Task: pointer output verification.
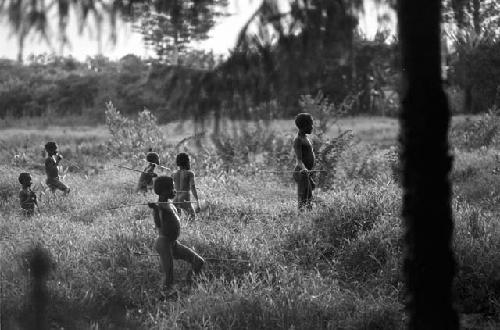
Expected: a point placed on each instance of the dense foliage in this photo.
(280, 54)
(49, 85)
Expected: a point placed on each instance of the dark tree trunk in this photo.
(429, 264)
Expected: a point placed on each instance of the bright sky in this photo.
(222, 37)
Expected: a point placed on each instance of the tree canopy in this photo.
(165, 24)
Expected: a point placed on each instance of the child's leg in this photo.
(184, 253)
(164, 248)
(28, 212)
(309, 190)
(49, 184)
(304, 189)
(188, 207)
(142, 188)
(57, 184)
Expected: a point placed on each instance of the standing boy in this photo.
(27, 197)
(51, 163)
(146, 178)
(304, 154)
(168, 225)
(184, 184)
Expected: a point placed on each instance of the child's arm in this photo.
(156, 214)
(297, 147)
(58, 158)
(151, 169)
(22, 198)
(192, 186)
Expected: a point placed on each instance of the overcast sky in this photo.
(222, 37)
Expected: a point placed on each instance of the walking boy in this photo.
(304, 154)
(51, 163)
(146, 179)
(184, 184)
(27, 197)
(168, 225)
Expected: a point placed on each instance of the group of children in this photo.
(27, 196)
(184, 182)
(174, 195)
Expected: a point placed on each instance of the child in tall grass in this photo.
(51, 163)
(184, 184)
(168, 225)
(146, 179)
(304, 154)
(27, 197)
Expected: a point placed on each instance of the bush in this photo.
(477, 71)
(368, 163)
(238, 149)
(131, 138)
(477, 133)
(245, 146)
(14, 96)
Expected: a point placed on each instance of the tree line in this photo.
(279, 56)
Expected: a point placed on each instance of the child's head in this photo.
(182, 160)
(51, 148)
(164, 186)
(25, 179)
(153, 157)
(304, 122)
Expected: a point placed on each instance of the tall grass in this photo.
(268, 266)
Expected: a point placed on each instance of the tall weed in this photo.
(131, 138)
(477, 133)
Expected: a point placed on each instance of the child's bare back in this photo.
(184, 181)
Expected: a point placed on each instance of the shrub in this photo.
(367, 163)
(240, 147)
(131, 138)
(474, 134)
(478, 71)
(251, 142)
(14, 96)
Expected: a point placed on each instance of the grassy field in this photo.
(336, 267)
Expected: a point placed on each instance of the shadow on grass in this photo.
(43, 307)
(114, 285)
